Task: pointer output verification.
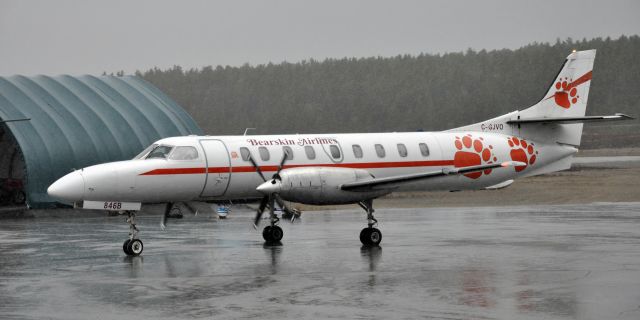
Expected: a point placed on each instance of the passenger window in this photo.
(424, 149)
(402, 150)
(288, 151)
(311, 153)
(380, 151)
(245, 153)
(160, 152)
(357, 151)
(184, 153)
(264, 153)
(335, 151)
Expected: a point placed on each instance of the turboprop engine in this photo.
(320, 186)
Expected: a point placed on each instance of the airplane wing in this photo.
(388, 181)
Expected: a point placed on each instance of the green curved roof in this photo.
(80, 121)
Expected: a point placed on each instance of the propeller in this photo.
(273, 197)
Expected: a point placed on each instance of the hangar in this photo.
(51, 125)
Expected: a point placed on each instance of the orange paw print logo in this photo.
(472, 152)
(567, 93)
(522, 151)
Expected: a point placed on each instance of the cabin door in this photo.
(218, 168)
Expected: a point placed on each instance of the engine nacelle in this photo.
(321, 186)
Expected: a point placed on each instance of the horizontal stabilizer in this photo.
(582, 119)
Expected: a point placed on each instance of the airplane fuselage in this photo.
(220, 171)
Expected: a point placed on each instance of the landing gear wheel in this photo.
(135, 247)
(272, 234)
(370, 236)
(125, 247)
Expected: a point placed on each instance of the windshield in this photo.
(144, 152)
(184, 153)
(159, 152)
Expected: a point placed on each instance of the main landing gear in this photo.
(370, 236)
(272, 233)
(132, 246)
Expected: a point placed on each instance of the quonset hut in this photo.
(72, 122)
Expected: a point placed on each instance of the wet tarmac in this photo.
(542, 262)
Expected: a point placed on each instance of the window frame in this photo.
(402, 150)
(143, 154)
(166, 154)
(264, 153)
(359, 154)
(178, 147)
(334, 148)
(424, 151)
(288, 151)
(380, 150)
(310, 151)
(248, 154)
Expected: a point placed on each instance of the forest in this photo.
(406, 92)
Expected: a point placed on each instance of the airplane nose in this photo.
(69, 187)
(269, 187)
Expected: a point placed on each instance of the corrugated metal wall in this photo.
(81, 121)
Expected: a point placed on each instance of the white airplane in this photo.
(329, 169)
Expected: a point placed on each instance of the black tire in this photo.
(266, 234)
(125, 247)
(364, 236)
(370, 236)
(135, 247)
(276, 234)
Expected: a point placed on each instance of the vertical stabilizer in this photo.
(565, 97)
(568, 93)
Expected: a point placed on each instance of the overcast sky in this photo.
(78, 37)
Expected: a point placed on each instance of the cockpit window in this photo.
(160, 152)
(184, 153)
(145, 152)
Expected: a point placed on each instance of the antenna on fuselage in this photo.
(246, 130)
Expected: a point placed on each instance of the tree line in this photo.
(401, 93)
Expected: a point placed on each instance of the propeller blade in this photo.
(190, 208)
(284, 159)
(255, 165)
(263, 205)
(293, 213)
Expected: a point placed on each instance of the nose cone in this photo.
(69, 187)
(269, 187)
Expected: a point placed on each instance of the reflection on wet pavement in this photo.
(552, 262)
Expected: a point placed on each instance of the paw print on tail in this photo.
(566, 94)
(472, 152)
(522, 151)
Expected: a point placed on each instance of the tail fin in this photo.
(568, 93)
(566, 98)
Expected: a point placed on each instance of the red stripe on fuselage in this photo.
(364, 165)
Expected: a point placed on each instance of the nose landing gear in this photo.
(132, 246)
(272, 234)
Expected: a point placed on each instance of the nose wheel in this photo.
(132, 246)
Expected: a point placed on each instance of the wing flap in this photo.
(388, 181)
